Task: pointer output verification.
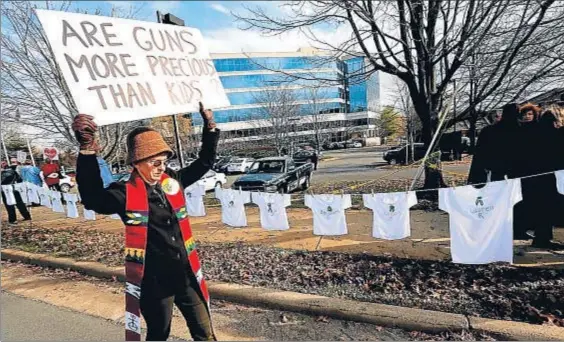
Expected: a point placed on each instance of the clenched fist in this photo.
(85, 129)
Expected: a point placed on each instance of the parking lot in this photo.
(361, 164)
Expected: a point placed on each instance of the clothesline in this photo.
(490, 240)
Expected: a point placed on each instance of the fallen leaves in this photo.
(494, 291)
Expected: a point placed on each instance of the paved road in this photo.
(360, 164)
(27, 320)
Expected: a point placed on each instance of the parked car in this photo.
(239, 165)
(66, 183)
(212, 180)
(335, 145)
(221, 164)
(174, 165)
(396, 155)
(275, 174)
(305, 156)
(354, 144)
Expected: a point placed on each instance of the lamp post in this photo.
(173, 20)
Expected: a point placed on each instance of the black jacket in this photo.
(165, 253)
(10, 176)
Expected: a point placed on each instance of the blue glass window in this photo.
(298, 94)
(273, 63)
(233, 115)
(357, 85)
(269, 80)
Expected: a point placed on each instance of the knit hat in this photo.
(143, 143)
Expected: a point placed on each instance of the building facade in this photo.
(307, 93)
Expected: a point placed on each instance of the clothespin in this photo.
(372, 192)
(453, 185)
(506, 179)
(342, 193)
(240, 191)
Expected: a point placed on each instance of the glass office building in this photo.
(339, 89)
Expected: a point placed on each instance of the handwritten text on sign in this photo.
(122, 70)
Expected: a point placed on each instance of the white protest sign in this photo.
(21, 156)
(51, 153)
(122, 70)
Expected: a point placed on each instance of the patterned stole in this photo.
(136, 220)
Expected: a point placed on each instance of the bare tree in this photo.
(427, 43)
(316, 119)
(278, 108)
(34, 93)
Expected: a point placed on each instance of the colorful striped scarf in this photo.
(136, 221)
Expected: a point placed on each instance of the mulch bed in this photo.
(531, 295)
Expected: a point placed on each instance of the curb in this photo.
(378, 314)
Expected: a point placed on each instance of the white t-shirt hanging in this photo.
(8, 191)
(32, 194)
(194, 195)
(233, 206)
(22, 189)
(57, 204)
(89, 214)
(44, 197)
(560, 181)
(328, 213)
(390, 214)
(481, 221)
(273, 210)
(72, 209)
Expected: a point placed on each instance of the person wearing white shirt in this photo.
(481, 221)
(233, 206)
(272, 210)
(194, 195)
(328, 213)
(390, 214)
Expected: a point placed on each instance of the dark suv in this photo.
(396, 155)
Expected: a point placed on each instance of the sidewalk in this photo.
(429, 239)
(91, 298)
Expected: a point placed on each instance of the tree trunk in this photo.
(433, 174)
(473, 121)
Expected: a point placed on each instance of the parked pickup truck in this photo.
(275, 174)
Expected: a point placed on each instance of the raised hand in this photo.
(207, 115)
(85, 130)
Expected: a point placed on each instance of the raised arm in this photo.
(90, 184)
(210, 136)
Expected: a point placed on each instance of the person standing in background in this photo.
(11, 177)
(31, 174)
(493, 155)
(51, 172)
(105, 172)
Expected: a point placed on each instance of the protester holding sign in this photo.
(162, 265)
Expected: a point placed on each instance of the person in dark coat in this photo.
(534, 147)
(10, 177)
(168, 278)
(493, 155)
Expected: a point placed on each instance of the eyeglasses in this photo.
(157, 163)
